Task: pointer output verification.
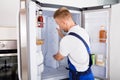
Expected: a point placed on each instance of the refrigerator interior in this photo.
(93, 20)
(53, 70)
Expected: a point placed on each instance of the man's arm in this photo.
(58, 56)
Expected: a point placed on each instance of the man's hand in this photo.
(60, 32)
(58, 56)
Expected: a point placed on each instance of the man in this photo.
(72, 47)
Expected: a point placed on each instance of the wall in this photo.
(9, 12)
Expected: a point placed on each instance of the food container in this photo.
(39, 41)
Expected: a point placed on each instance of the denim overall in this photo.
(73, 73)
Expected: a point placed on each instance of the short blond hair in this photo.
(62, 12)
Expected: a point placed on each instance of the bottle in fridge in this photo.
(40, 18)
(39, 26)
(102, 34)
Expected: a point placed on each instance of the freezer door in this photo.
(115, 43)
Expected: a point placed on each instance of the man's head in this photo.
(63, 18)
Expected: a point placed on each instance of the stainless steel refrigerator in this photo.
(36, 61)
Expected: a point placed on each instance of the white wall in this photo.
(9, 12)
(8, 33)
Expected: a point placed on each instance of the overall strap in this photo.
(86, 45)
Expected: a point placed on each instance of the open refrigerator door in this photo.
(114, 43)
(97, 22)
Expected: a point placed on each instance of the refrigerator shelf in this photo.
(54, 74)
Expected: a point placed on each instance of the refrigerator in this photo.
(36, 62)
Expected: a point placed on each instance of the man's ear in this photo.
(65, 21)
